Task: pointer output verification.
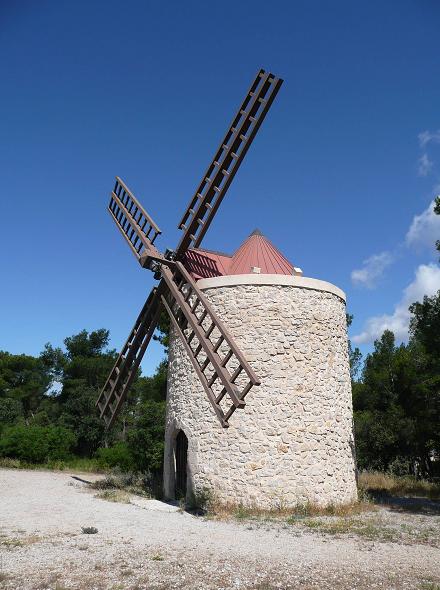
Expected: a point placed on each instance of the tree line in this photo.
(396, 398)
(396, 395)
(48, 413)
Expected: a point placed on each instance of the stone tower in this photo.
(293, 442)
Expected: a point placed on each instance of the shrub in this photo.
(89, 530)
(116, 456)
(10, 410)
(37, 444)
(8, 463)
(401, 466)
(114, 496)
(142, 484)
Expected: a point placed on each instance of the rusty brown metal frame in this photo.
(191, 314)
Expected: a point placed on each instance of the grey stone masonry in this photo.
(293, 442)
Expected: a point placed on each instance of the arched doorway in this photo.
(181, 463)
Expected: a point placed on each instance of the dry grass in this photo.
(373, 530)
(15, 542)
(9, 463)
(361, 519)
(51, 582)
(11, 543)
(373, 527)
(114, 496)
(130, 483)
(220, 511)
(375, 482)
(75, 465)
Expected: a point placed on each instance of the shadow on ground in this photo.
(415, 505)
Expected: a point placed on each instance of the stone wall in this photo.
(293, 442)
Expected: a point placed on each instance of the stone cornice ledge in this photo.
(262, 279)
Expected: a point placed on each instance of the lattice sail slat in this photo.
(221, 367)
(125, 368)
(212, 189)
(132, 220)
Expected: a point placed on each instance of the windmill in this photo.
(222, 369)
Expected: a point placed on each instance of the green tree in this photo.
(354, 355)
(397, 402)
(146, 421)
(81, 372)
(11, 410)
(24, 379)
(36, 444)
(54, 396)
(425, 327)
(153, 388)
(437, 211)
(425, 340)
(384, 430)
(79, 414)
(146, 438)
(163, 329)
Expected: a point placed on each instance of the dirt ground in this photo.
(146, 544)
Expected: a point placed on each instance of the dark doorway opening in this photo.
(181, 462)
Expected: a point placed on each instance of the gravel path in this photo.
(151, 545)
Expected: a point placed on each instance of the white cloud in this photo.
(424, 165)
(426, 282)
(424, 230)
(429, 136)
(372, 270)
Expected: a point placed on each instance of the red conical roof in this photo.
(256, 255)
(257, 252)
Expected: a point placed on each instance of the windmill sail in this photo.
(221, 367)
(220, 173)
(132, 220)
(124, 370)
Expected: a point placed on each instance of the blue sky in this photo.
(340, 176)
